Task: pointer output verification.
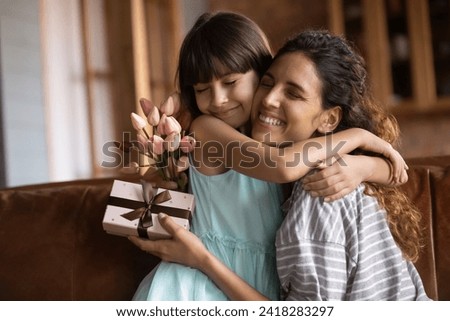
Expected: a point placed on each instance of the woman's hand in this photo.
(337, 180)
(184, 247)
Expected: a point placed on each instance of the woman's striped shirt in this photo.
(341, 250)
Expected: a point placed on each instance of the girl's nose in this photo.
(219, 97)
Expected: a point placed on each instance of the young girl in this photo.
(236, 216)
(348, 249)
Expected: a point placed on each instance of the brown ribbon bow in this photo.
(151, 204)
(150, 198)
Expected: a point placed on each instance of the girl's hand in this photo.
(398, 166)
(374, 143)
(187, 249)
(346, 173)
(184, 247)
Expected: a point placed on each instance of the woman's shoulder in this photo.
(313, 218)
(304, 199)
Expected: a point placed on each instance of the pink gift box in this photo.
(125, 216)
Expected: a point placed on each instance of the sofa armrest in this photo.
(428, 188)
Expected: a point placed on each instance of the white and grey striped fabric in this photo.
(341, 250)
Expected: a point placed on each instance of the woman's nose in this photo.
(271, 99)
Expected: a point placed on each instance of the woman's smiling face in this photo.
(287, 104)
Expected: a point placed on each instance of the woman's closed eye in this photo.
(293, 94)
(266, 83)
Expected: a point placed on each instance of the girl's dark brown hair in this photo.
(224, 40)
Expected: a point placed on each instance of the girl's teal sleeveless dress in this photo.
(236, 217)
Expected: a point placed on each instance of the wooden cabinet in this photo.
(407, 48)
(439, 11)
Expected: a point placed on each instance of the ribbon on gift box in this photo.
(144, 210)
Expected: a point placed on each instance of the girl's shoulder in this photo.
(204, 121)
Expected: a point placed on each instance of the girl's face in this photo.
(287, 104)
(228, 98)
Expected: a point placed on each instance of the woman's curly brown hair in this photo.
(345, 83)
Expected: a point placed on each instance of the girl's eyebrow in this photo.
(219, 76)
(229, 74)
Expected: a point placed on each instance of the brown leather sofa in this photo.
(429, 187)
(53, 247)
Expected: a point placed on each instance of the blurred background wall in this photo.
(73, 70)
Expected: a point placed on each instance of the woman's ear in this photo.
(330, 119)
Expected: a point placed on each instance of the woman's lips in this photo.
(272, 121)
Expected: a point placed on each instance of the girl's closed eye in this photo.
(230, 82)
(230, 79)
(200, 89)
